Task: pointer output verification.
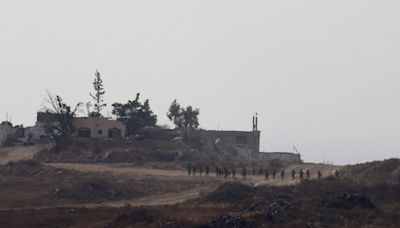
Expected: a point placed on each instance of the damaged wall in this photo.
(242, 144)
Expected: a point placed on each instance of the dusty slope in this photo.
(18, 153)
(140, 174)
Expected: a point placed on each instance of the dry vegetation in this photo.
(28, 184)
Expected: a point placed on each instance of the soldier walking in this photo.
(254, 171)
(261, 171)
(293, 174)
(201, 170)
(207, 171)
(266, 175)
(194, 170)
(273, 174)
(233, 173)
(283, 175)
(244, 173)
(308, 174)
(226, 172)
(301, 174)
(189, 169)
(319, 174)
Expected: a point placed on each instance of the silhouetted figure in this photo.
(226, 173)
(308, 174)
(254, 171)
(261, 171)
(319, 174)
(216, 171)
(301, 174)
(207, 171)
(337, 173)
(244, 173)
(233, 172)
(266, 175)
(273, 174)
(201, 170)
(293, 174)
(189, 169)
(283, 175)
(194, 170)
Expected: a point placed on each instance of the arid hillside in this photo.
(75, 188)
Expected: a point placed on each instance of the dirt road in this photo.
(17, 153)
(157, 200)
(141, 172)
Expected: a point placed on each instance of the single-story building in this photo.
(94, 127)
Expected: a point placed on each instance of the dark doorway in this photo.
(114, 133)
(84, 132)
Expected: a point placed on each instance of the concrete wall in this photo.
(282, 156)
(6, 131)
(245, 143)
(99, 127)
(35, 133)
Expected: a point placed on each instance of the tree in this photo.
(98, 96)
(191, 118)
(184, 118)
(58, 122)
(175, 114)
(135, 115)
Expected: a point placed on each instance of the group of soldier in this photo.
(224, 172)
(273, 174)
(192, 170)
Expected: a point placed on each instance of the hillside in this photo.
(120, 185)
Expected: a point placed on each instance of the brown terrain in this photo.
(37, 190)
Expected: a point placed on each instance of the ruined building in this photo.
(243, 144)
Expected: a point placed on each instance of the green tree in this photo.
(135, 115)
(175, 114)
(184, 118)
(98, 96)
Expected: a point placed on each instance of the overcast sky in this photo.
(323, 75)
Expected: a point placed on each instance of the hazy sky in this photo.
(323, 75)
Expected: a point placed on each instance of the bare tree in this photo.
(58, 122)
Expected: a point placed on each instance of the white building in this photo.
(94, 127)
(7, 131)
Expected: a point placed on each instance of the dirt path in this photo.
(170, 198)
(142, 172)
(17, 153)
(119, 169)
(157, 200)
